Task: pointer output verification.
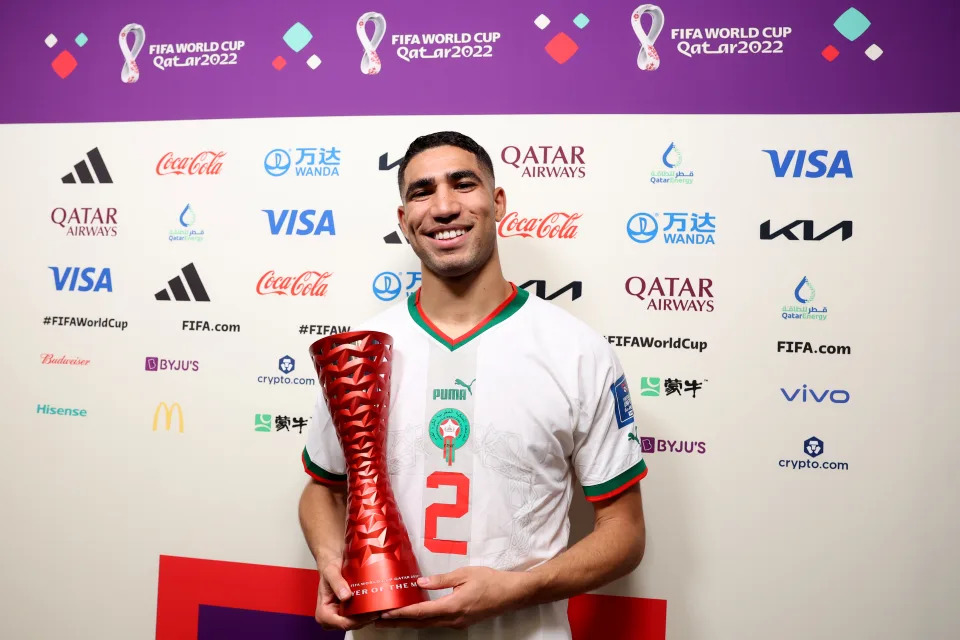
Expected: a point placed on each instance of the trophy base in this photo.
(371, 598)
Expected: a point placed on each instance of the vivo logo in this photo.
(817, 160)
(82, 279)
(836, 396)
(286, 222)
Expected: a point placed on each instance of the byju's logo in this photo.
(540, 289)
(663, 294)
(803, 294)
(286, 366)
(153, 363)
(192, 278)
(817, 161)
(672, 160)
(387, 285)
(300, 222)
(81, 170)
(686, 228)
(789, 231)
(649, 444)
(813, 447)
(82, 279)
(652, 387)
(311, 161)
(546, 161)
(86, 221)
(835, 396)
(169, 411)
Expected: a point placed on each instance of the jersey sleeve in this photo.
(322, 457)
(607, 455)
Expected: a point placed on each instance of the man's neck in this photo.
(457, 305)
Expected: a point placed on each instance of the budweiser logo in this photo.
(204, 163)
(308, 283)
(554, 225)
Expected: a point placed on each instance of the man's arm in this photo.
(613, 549)
(322, 518)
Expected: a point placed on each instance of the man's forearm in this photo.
(322, 517)
(613, 549)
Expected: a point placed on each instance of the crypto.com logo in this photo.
(168, 413)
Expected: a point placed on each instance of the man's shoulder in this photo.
(556, 324)
(392, 319)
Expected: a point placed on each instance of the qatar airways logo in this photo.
(546, 161)
(558, 225)
(307, 284)
(205, 163)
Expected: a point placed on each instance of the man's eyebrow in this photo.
(419, 184)
(453, 176)
(463, 173)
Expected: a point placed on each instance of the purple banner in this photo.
(223, 623)
(65, 62)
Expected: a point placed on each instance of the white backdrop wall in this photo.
(738, 546)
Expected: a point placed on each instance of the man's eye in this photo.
(465, 185)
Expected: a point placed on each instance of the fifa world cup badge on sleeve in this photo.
(621, 402)
(378, 560)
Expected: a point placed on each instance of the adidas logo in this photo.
(83, 170)
(395, 238)
(192, 278)
(384, 166)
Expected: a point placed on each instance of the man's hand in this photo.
(478, 593)
(334, 590)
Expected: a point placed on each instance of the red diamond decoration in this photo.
(64, 64)
(279, 63)
(830, 53)
(561, 48)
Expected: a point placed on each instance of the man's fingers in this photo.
(442, 581)
(338, 586)
(328, 617)
(422, 610)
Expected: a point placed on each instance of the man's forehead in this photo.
(438, 162)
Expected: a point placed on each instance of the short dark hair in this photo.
(443, 139)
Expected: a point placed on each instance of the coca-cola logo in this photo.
(308, 283)
(205, 163)
(546, 161)
(554, 225)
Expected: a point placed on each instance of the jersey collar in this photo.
(506, 309)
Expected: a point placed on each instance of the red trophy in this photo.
(378, 561)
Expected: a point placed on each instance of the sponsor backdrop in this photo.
(729, 192)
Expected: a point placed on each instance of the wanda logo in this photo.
(553, 225)
(308, 283)
(205, 163)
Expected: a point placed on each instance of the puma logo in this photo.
(466, 386)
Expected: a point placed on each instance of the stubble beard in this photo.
(470, 263)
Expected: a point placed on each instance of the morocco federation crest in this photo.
(449, 430)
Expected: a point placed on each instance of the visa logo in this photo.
(82, 279)
(286, 222)
(816, 160)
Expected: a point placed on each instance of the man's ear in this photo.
(401, 219)
(499, 203)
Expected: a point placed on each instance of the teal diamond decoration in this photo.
(851, 24)
(81, 39)
(581, 21)
(297, 37)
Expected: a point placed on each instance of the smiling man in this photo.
(500, 402)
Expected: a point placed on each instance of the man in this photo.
(510, 398)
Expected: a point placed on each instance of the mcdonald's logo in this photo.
(168, 412)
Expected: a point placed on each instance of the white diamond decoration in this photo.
(50, 40)
(313, 61)
(873, 52)
(542, 22)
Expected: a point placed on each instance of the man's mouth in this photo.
(447, 234)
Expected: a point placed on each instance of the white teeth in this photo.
(446, 235)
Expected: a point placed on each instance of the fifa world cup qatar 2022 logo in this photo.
(130, 72)
(378, 560)
(370, 62)
(648, 59)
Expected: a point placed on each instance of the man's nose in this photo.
(445, 203)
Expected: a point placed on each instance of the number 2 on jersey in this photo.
(445, 510)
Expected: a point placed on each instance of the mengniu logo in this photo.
(805, 394)
(387, 285)
(300, 222)
(176, 286)
(50, 410)
(653, 387)
(82, 279)
(205, 163)
(819, 163)
(681, 228)
(813, 447)
(672, 294)
(263, 422)
(86, 221)
(546, 161)
(649, 444)
(153, 363)
(557, 225)
(307, 284)
(81, 171)
(540, 289)
(310, 161)
(845, 228)
(169, 412)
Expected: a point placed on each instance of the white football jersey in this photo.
(485, 435)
